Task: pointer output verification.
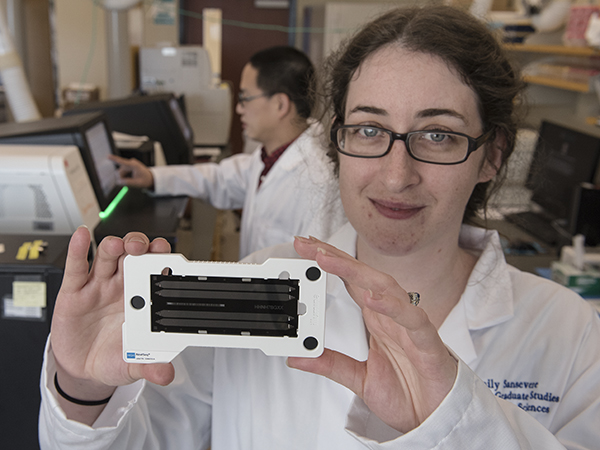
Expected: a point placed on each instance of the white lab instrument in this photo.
(186, 71)
(45, 190)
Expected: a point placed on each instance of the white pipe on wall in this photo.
(119, 54)
(15, 83)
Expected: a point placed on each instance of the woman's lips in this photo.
(398, 211)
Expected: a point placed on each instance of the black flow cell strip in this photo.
(225, 305)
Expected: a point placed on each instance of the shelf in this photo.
(557, 50)
(553, 49)
(558, 83)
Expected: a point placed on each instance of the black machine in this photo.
(31, 272)
(161, 117)
(90, 132)
(563, 159)
(585, 219)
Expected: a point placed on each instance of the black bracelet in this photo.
(66, 396)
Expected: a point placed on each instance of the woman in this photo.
(490, 358)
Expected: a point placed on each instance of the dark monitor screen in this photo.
(586, 217)
(100, 146)
(90, 132)
(563, 159)
(158, 116)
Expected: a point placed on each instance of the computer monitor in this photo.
(563, 159)
(585, 217)
(89, 132)
(160, 117)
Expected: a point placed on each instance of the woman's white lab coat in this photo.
(529, 377)
(298, 197)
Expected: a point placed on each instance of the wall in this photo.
(80, 44)
(38, 61)
(81, 38)
(239, 43)
(303, 4)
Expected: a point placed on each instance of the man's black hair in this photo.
(289, 71)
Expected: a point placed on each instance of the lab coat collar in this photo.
(307, 148)
(488, 298)
(344, 239)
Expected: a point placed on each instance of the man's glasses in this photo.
(242, 99)
(434, 147)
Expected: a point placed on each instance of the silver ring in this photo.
(415, 298)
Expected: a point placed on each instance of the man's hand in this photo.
(133, 172)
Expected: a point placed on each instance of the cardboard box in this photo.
(585, 282)
(77, 93)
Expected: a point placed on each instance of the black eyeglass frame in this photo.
(243, 100)
(474, 143)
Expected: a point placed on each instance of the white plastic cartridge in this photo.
(172, 303)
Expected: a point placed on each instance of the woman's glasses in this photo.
(434, 147)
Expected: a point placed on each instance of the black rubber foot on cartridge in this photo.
(313, 273)
(311, 343)
(138, 302)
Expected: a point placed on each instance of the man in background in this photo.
(286, 187)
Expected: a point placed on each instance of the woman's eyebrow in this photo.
(430, 112)
(433, 112)
(369, 110)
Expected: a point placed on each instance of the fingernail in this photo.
(302, 239)
(312, 238)
(322, 250)
(374, 296)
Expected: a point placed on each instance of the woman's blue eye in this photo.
(370, 132)
(436, 137)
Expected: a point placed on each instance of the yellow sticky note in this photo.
(29, 293)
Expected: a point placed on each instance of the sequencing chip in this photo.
(172, 303)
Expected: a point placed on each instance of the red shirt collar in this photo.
(270, 160)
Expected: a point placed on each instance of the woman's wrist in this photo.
(77, 401)
(81, 392)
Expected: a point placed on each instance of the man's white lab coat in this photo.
(529, 374)
(299, 196)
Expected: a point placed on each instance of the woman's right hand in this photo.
(86, 336)
(133, 172)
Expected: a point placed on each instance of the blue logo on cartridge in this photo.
(130, 355)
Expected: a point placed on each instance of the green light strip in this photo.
(110, 208)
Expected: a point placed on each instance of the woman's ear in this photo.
(493, 159)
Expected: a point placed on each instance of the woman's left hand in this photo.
(409, 370)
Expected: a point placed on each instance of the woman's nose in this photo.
(399, 169)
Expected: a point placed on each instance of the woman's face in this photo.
(399, 205)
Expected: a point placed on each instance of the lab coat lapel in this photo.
(343, 314)
(487, 299)
(289, 160)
